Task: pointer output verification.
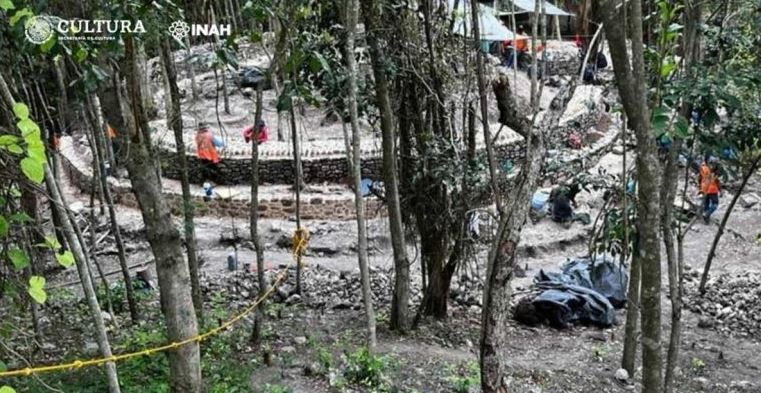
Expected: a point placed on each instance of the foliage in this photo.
(366, 369)
(466, 377)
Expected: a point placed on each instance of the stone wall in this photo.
(237, 170)
(312, 206)
(316, 170)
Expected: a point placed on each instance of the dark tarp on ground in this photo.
(583, 292)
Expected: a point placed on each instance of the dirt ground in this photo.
(540, 359)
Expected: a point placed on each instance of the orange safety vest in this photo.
(205, 147)
(709, 183)
(111, 132)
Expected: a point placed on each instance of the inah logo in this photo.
(38, 29)
(179, 29)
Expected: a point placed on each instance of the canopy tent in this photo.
(490, 27)
(523, 6)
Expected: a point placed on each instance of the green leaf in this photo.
(7, 5)
(21, 218)
(6, 140)
(3, 367)
(3, 226)
(18, 258)
(681, 128)
(46, 46)
(20, 14)
(51, 242)
(36, 289)
(33, 169)
(36, 153)
(28, 128)
(80, 55)
(66, 259)
(21, 110)
(7, 389)
(15, 149)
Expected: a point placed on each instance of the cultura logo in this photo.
(38, 29)
(179, 29)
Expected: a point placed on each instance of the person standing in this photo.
(710, 188)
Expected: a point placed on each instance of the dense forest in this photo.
(380, 196)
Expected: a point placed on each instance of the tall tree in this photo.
(174, 118)
(77, 249)
(100, 140)
(254, 220)
(400, 300)
(512, 214)
(164, 238)
(351, 16)
(632, 82)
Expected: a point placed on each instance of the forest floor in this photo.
(312, 346)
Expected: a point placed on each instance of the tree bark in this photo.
(59, 205)
(631, 82)
(174, 117)
(400, 318)
(352, 10)
(84, 275)
(254, 224)
(712, 252)
(100, 140)
(297, 183)
(171, 268)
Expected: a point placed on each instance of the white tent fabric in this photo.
(523, 6)
(490, 27)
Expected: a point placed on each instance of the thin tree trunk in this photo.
(174, 117)
(668, 193)
(631, 329)
(352, 10)
(400, 317)
(84, 275)
(171, 268)
(254, 227)
(712, 252)
(297, 183)
(631, 82)
(191, 69)
(100, 140)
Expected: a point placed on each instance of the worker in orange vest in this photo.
(710, 187)
(206, 150)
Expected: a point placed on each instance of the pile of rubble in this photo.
(730, 305)
(323, 288)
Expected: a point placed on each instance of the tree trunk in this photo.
(297, 183)
(254, 227)
(174, 116)
(352, 10)
(171, 268)
(400, 318)
(712, 252)
(84, 276)
(59, 204)
(191, 69)
(668, 193)
(632, 83)
(101, 141)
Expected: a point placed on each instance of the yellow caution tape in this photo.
(299, 242)
(300, 238)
